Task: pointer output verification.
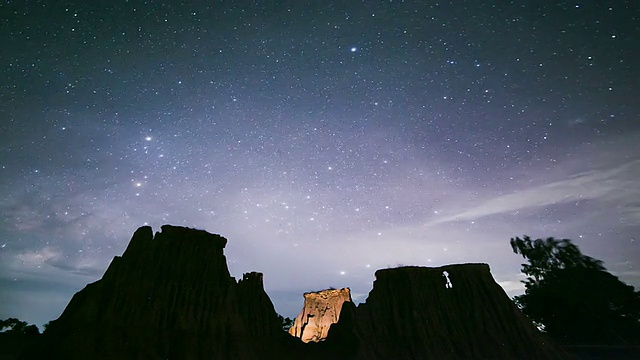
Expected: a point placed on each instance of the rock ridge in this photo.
(171, 296)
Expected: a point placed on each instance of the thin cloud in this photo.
(615, 184)
(39, 257)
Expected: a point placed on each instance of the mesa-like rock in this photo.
(321, 310)
(449, 312)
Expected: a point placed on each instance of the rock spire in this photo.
(168, 296)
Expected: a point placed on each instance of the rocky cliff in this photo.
(170, 296)
(321, 310)
(450, 312)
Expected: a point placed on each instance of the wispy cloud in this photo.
(614, 184)
(39, 257)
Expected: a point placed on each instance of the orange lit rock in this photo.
(321, 310)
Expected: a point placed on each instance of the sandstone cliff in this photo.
(450, 312)
(168, 296)
(321, 309)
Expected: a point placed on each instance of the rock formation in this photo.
(450, 312)
(321, 309)
(168, 297)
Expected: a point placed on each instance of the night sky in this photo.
(325, 140)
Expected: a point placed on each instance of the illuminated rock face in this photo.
(321, 310)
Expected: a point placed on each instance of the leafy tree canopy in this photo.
(573, 296)
(15, 326)
(550, 254)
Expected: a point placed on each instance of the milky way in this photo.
(324, 141)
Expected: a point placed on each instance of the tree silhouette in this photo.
(286, 322)
(15, 326)
(573, 296)
(48, 325)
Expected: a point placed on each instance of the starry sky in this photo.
(325, 140)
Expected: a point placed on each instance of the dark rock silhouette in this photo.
(450, 312)
(170, 296)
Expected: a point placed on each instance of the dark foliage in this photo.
(286, 322)
(15, 326)
(573, 296)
